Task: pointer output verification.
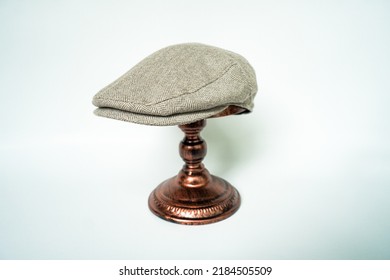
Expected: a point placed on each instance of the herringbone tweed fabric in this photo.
(179, 84)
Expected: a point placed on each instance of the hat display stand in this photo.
(184, 85)
(194, 196)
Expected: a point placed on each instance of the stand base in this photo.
(214, 202)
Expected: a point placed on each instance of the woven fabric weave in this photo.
(179, 84)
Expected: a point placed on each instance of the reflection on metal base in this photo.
(194, 206)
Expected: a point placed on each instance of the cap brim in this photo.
(178, 119)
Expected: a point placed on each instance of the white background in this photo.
(312, 162)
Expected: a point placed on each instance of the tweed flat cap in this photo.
(179, 84)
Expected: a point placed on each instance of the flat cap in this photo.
(179, 84)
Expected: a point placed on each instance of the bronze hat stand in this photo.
(194, 196)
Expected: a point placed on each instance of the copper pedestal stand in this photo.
(194, 196)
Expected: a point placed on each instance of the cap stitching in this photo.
(174, 97)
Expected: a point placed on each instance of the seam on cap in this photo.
(205, 85)
(174, 97)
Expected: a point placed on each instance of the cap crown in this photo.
(179, 84)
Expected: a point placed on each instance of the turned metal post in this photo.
(194, 196)
(192, 150)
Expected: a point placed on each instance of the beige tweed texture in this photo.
(179, 84)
